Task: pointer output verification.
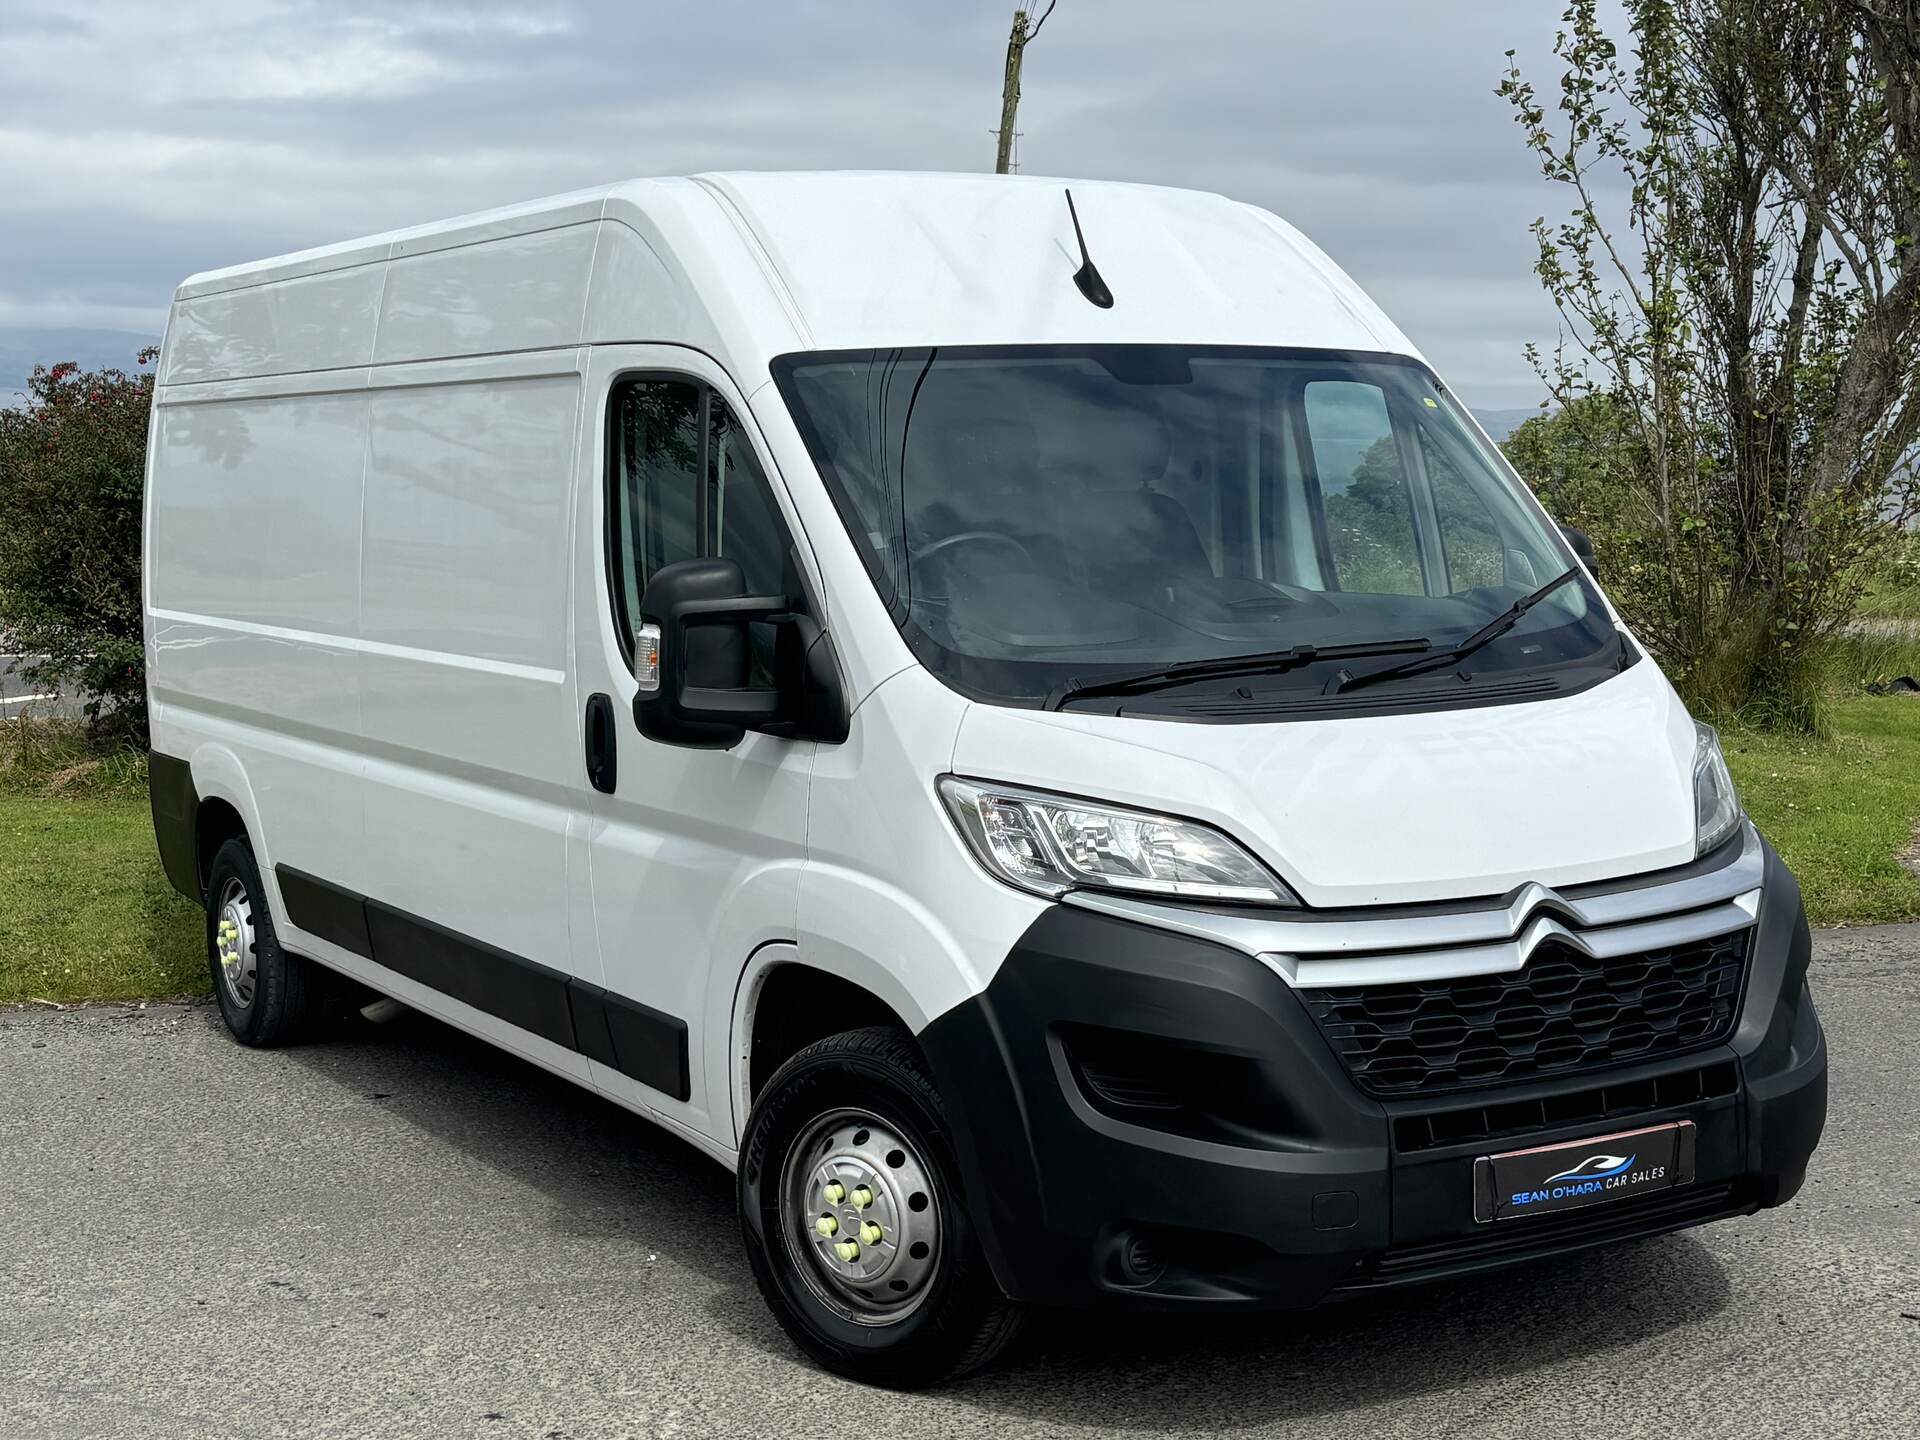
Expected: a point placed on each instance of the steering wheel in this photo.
(976, 537)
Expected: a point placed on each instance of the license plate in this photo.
(1550, 1178)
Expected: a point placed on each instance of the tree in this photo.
(72, 467)
(1740, 316)
(1585, 462)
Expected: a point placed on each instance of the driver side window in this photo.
(684, 482)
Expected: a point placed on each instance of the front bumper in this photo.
(1152, 1118)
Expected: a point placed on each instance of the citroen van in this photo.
(1020, 716)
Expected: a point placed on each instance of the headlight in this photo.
(1716, 809)
(1050, 844)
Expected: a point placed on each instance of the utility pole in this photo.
(1017, 44)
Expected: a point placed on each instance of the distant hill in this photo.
(1502, 423)
(24, 346)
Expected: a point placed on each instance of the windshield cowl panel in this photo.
(1043, 518)
(1303, 696)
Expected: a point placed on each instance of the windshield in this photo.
(1041, 515)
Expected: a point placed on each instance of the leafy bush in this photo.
(72, 462)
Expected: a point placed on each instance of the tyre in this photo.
(266, 996)
(855, 1221)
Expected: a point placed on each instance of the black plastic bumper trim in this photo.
(176, 807)
(1557, 1235)
(1118, 1085)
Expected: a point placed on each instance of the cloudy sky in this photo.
(141, 141)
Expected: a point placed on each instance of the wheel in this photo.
(855, 1222)
(267, 996)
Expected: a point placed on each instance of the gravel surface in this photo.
(410, 1234)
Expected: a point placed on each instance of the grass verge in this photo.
(85, 912)
(1840, 810)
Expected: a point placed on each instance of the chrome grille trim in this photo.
(1393, 948)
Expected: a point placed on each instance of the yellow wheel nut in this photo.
(862, 1196)
(870, 1234)
(847, 1251)
(835, 1192)
(826, 1224)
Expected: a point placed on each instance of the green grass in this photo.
(1840, 810)
(85, 913)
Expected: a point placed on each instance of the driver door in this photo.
(694, 855)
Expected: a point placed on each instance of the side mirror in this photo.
(693, 654)
(1582, 547)
(693, 659)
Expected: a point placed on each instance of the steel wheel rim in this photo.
(234, 945)
(890, 1277)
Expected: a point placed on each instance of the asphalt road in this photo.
(409, 1234)
(17, 696)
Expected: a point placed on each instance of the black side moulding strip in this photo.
(325, 910)
(647, 1045)
(519, 991)
(640, 1042)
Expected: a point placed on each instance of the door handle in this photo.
(603, 770)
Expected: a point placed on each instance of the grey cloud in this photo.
(147, 142)
(19, 22)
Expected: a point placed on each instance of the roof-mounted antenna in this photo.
(1087, 277)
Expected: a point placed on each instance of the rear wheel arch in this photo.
(210, 801)
(216, 822)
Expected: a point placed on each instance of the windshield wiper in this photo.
(1266, 662)
(1485, 635)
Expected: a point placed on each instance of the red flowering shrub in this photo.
(72, 464)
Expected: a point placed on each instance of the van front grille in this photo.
(1565, 1012)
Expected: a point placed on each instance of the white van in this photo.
(1021, 716)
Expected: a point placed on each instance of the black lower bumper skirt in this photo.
(1548, 1236)
(1148, 1120)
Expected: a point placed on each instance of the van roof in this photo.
(765, 263)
